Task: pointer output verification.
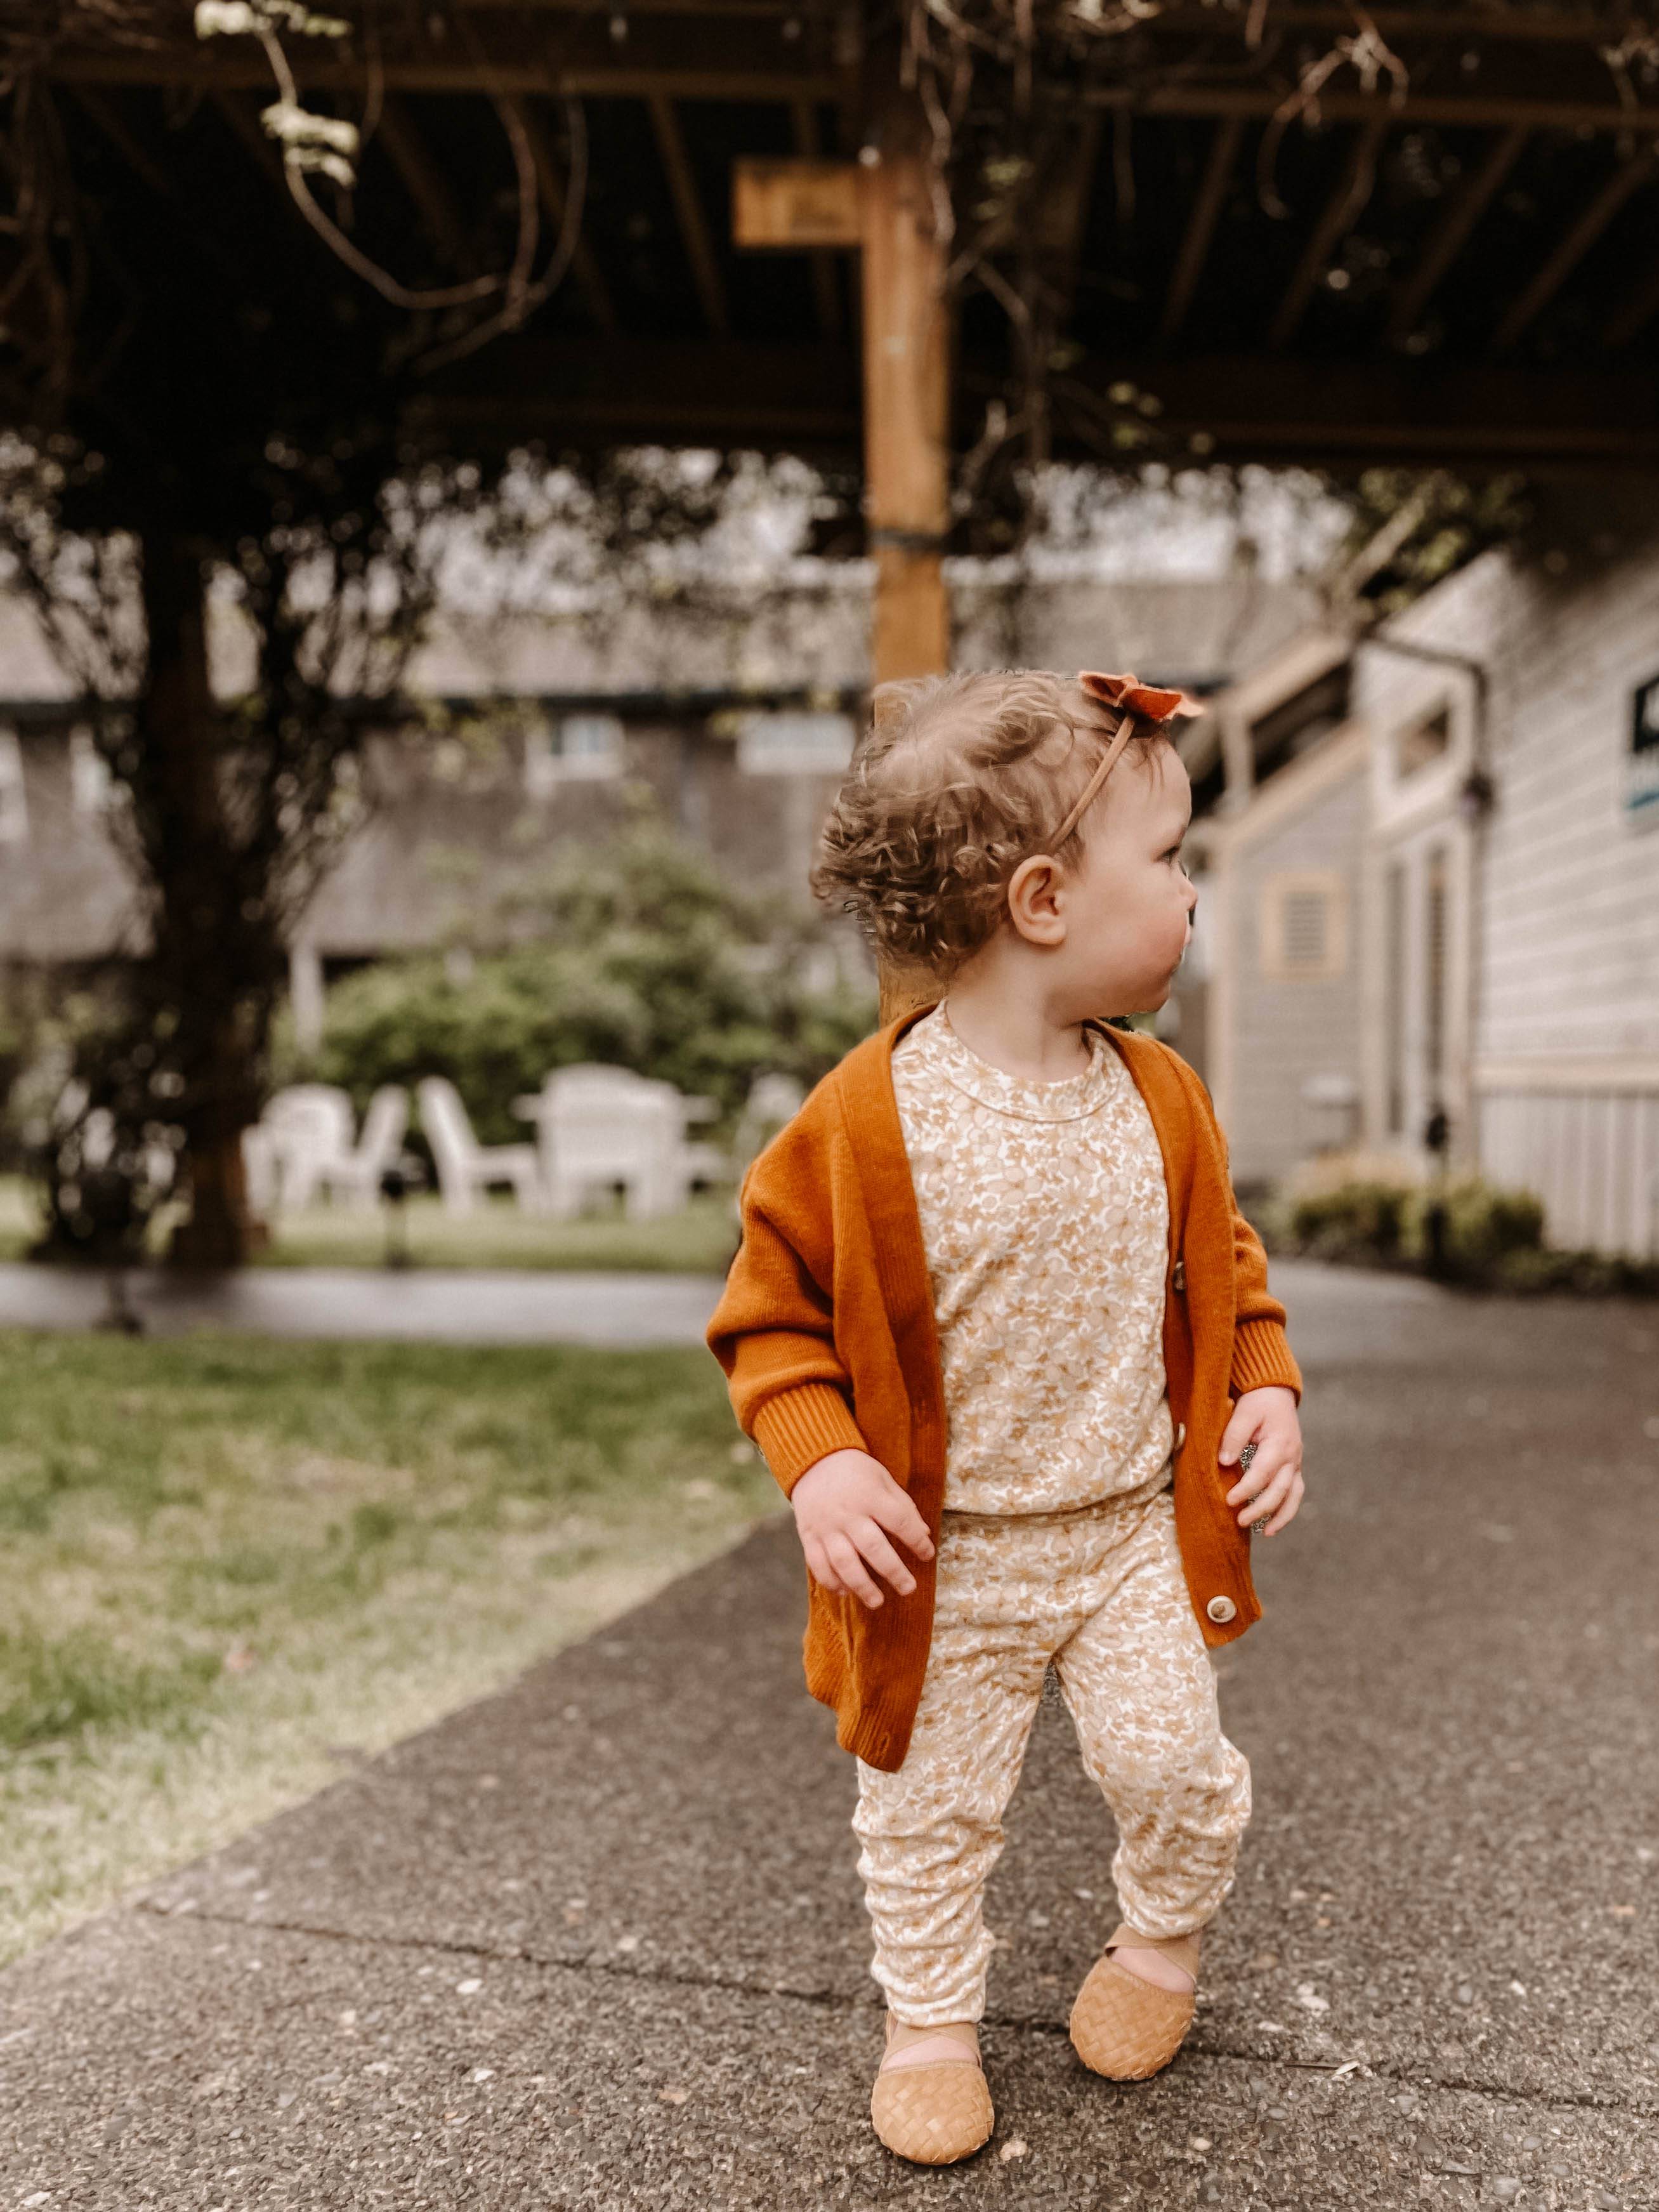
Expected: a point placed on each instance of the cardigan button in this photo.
(1221, 1610)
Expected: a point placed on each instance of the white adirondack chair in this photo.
(603, 1127)
(773, 1100)
(357, 1173)
(304, 1130)
(465, 1166)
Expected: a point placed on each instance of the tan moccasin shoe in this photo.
(1127, 2028)
(931, 2103)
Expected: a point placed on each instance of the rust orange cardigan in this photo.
(825, 1331)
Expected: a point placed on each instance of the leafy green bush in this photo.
(1353, 1219)
(1487, 1238)
(635, 953)
(1482, 1226)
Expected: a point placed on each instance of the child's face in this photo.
(1126, 913)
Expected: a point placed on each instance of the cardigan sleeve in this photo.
(773, 1333)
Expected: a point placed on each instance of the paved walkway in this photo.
(597, 1942)
(442, 1305)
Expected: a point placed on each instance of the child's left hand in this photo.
(1270, 1488)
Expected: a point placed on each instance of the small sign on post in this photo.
(788, 205)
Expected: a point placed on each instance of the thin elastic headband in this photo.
(1108, 761)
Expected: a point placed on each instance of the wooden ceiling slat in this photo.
(550, 185)
(740, 78)
(1341, 211)
(826, 293)
(1638, 307)
(1451, 110)
(399, 137)
(1563, 28)
(1627, 179)
(236, 71)
(1200, 225)
(1450, 234)
(1065, 218)
(687, 208)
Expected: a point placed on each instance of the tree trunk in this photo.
(215, 956)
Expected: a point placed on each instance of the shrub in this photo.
(635, 953)
(1482, 1226)
(1354, 1220)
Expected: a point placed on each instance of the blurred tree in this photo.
(635, 953)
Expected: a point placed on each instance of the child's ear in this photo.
(1034, 906)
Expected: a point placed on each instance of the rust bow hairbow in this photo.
(1135, 698)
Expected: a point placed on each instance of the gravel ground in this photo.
(597, 1941)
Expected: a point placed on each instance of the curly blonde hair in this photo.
(957, 779)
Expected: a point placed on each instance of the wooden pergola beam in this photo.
(804, 394)
(241, 72)
(826, 293)
(1064, 218)
(1200, 225)
(549, 186)
(1450, 234)
(421, 179)
(1498, 26)
(1340, 212)
(687, 210)
(238, 70)
(1449, 109)
(1627, 179)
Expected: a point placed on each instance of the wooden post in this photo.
(907, 421)
(907, 399)
(907, 392)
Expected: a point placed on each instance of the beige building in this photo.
(1433, 889)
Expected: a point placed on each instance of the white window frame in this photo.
(550, 760)
(14, 790)
(1281, 887)
(89, 775)
(795, 741)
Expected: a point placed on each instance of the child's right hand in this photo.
(846, 1505)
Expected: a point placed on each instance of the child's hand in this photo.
(1272, 1485)
(846, 1505)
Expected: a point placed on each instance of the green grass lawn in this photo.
(228, 1566)
(700, 1239)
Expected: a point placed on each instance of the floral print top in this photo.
(1046, 1222)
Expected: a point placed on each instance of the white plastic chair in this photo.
(357, 1174)
(773, 1100)
(304, 1132)
(465, 1166)
(603, 1127)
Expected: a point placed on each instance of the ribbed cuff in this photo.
(800, 1426)
(1262, 1357)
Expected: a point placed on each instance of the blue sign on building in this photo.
(1642, 777)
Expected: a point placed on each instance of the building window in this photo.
(1423, 743)
(571, 749)
(794, 744)
(1304, 926)
(89, 778)
(1299, 723)
(13, 798)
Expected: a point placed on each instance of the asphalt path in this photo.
(598, 1941)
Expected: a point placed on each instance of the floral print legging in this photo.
(1100, 1593)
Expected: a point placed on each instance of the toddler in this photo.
(997, 1327)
